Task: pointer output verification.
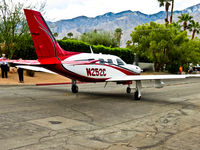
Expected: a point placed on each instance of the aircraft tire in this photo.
(128, 90)
(136, 97)
(74, 88)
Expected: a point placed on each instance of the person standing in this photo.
(21, 74)
(190, 68)
(180, 70)
(4, 67)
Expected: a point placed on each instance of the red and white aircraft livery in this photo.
(85, 67)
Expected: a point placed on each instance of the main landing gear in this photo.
(137, 93)
(128, 89)
(74, 87)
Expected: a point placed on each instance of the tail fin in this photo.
(44, 41)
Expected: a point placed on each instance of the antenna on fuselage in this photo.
(91, 50)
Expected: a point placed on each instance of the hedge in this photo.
(28, 51)
(78, 46)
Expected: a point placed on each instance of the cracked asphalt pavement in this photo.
(98, 118)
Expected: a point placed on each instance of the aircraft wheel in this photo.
(74, 88)
(128, 90)
(136, 97)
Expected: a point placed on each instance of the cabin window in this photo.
(110, 62)
(119, 62)
(102, 61)
(90, 59)
(85, 59)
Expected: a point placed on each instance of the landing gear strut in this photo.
(137, 94)
(74, 87)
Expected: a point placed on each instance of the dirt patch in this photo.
(39, 77)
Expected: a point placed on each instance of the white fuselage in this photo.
(107, 67)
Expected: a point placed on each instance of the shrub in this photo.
(78, 46)
(28, 51)
(30, 73)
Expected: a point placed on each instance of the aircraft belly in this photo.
(94, 71)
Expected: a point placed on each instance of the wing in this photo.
(151, 77)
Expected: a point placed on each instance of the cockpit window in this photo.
(102, 61)
(110, 62)
(119, 61)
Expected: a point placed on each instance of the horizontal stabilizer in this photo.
(34, 68)
(48, 61)
(25, 62)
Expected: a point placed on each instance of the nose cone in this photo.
(138, 69)
(134, 68)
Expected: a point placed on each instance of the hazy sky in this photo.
(67, 9)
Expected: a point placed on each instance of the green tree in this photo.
(55, 34)
(157, 42)
(194, 27)
(10, 18)
(165, 3)
(118, 35)
(70, 34)
(64, 38)
(189, 52)
(185, 18)
(12, 24)
(177, 25)
(128, 43)
(99, 38)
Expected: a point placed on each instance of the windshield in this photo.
(119, 61)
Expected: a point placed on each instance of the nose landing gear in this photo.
(137, 93)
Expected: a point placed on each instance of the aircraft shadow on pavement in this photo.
(157, 99)
(93, 93)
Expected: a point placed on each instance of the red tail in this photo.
(44, 41)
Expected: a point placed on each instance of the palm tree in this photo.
(128, 43)
(172, 9)
(185, 18)
(118, 34)
(177, 25)
(165, 3)
(70, 34)
(194, 27)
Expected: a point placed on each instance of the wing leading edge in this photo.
(150, 77)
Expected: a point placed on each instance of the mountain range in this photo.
(126, 20)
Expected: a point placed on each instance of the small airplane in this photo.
(84, 67)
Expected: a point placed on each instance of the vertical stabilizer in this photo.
(44, 41)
